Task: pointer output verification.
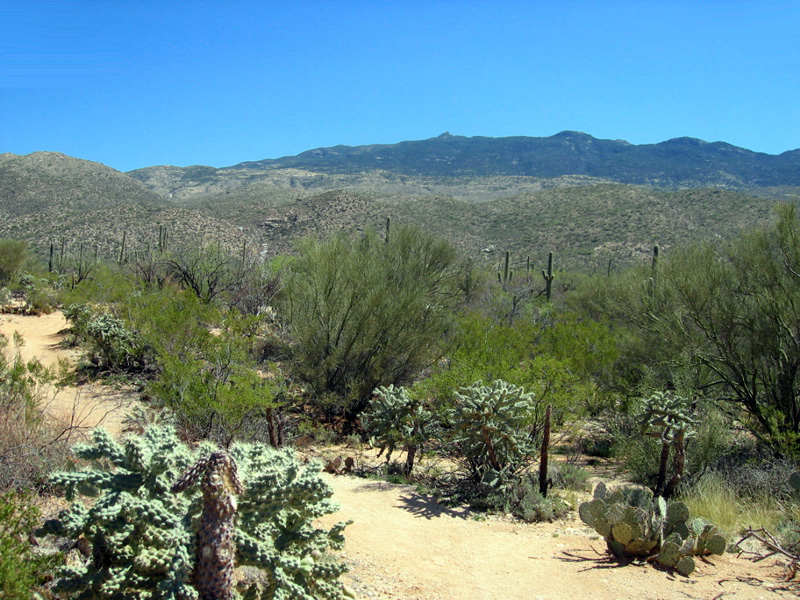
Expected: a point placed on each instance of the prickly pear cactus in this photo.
(145, 540)
(629, 531)
(663, 532)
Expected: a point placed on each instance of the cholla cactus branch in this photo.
(214, 561)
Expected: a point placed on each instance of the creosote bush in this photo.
(21, 571)
(31, 444)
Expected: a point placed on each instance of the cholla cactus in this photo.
(214, 557)
(139, 543)
(146, 542)
(493, 428)
(395, 418)
(667, 417)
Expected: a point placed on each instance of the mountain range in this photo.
(589, 200)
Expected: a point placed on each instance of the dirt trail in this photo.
(403, 545)
(83, 406)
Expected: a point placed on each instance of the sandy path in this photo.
(404, 545)
(84, 406)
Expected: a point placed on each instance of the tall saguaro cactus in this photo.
(548, 276)
(215, 551)
(505, 277)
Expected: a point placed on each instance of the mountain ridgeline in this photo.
(593, 202)
(677, 163)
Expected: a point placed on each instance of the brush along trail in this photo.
(404, 545)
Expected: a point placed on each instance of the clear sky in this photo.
(139, 83)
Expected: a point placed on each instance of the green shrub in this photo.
(569, 477)
(142, 535)
(30, 447)
(114, 346)
(522, 499)
(484, 350)
(12, 256)
(364, 313)
(21, 571)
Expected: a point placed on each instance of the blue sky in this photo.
(139, 83)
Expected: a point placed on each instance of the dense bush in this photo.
(115, 346)
(12, 256)
(30, 443)
(483, 349)
(364, 313)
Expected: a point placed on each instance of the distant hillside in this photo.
(585, 226)
(677, 163)
(38, 182)
(569, 205)
(46, 197)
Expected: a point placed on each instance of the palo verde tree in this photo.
(734, 310)
(365, 313)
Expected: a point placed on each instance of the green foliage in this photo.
(569, 477)
(114, 346)
(203, 354)
(142, 536)
(212, 385)
(590, 351)
(21, 571)
(484, 349)
(395, 418)
(731, 309)
(208, 375)
(493, 430)
(12, 256)
(365, 313)
(521, 498)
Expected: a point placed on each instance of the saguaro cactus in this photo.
(548, 276)
(215, 550)
(505, 277)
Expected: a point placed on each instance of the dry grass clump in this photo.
(31, 443)
(714, 499)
